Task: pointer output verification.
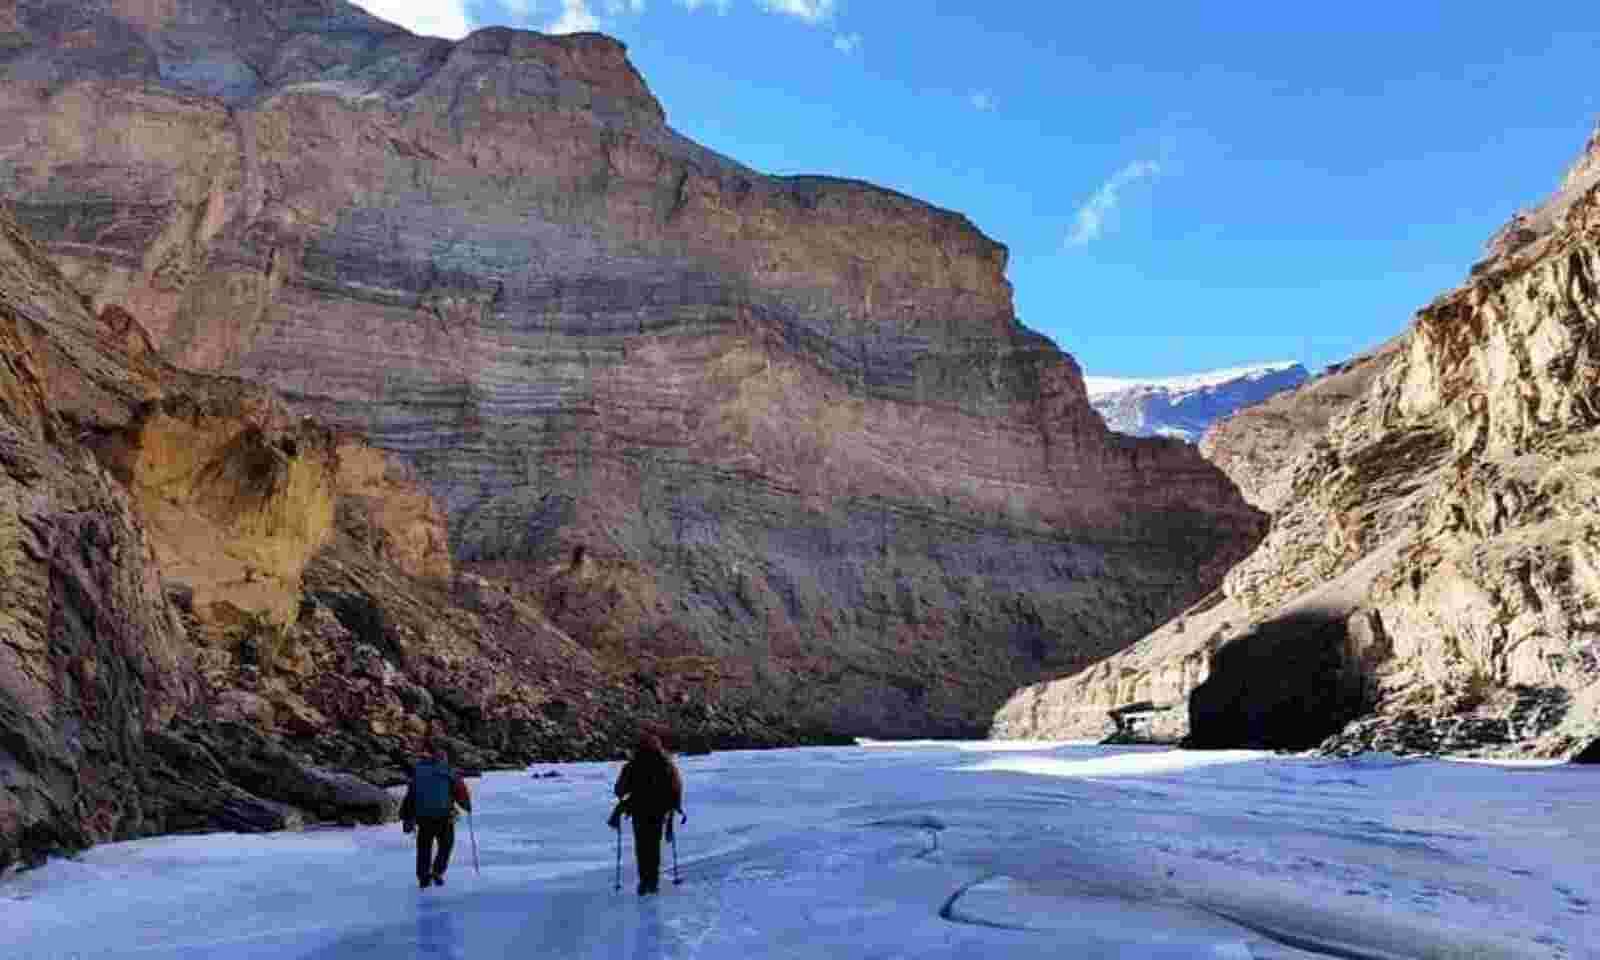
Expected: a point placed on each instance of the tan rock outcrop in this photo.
(388, 510)
(1257, 446)
(124, 481)
(1431, 571)
(791, 422)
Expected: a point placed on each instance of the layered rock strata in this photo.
(788, 427)
(1432, 576)
(221, 615)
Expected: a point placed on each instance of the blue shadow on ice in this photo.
(473, 925)
(437, 935)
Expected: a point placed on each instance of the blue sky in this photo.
(1183, 186)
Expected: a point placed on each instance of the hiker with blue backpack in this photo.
(429, 808)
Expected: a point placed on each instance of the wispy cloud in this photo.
(430, 18)
(576, 17)
(1098, 213)
(449, 18)
(811, 11)
(983, 101)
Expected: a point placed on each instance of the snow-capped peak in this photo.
(1099, 386)
(1185, 407)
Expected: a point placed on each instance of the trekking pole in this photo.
(677, 880)
(619, 860)
(473, 833)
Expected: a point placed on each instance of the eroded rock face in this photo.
(89, 650)
(121, 480)
(219, 615)
(1432, 571)
(791, 425)
(1256, 446)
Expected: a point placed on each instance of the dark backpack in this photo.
(652, 787)
(433, 781)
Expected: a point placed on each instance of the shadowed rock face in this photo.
(1284, 685)
(1433, 570)
(791, 425)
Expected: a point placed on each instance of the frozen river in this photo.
(902, 850)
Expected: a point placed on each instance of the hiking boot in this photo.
(423, 882)
(438, 879)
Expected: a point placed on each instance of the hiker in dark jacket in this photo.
(650, 789)
(430, 809)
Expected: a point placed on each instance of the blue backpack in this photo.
(433, 781)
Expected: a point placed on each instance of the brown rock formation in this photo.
(1433, 568)
(214, 611)
(787, 429)
(86, 638)
(116, 473)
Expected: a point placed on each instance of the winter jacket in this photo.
(435, 790)
(650, 784)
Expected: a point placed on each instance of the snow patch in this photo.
(1138, 764)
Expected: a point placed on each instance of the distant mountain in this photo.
(1184, 407)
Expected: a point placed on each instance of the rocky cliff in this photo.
(218, 614)
(1431, 581)
(783, 435)
(1186, 407)
(97, 666)
(1256, 444)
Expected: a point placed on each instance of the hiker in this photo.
(429, 808)
(651, 790)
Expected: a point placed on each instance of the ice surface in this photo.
(897, 850)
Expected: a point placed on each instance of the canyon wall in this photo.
(219, 614)
(1431, 581)
(100, 441)
(781, 433)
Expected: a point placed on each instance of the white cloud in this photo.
(847, 42)
(430, 18)
(983, 100)
(722, 6)
(576, 17)
(618, 7)
(1100, 210)
(811, 11)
